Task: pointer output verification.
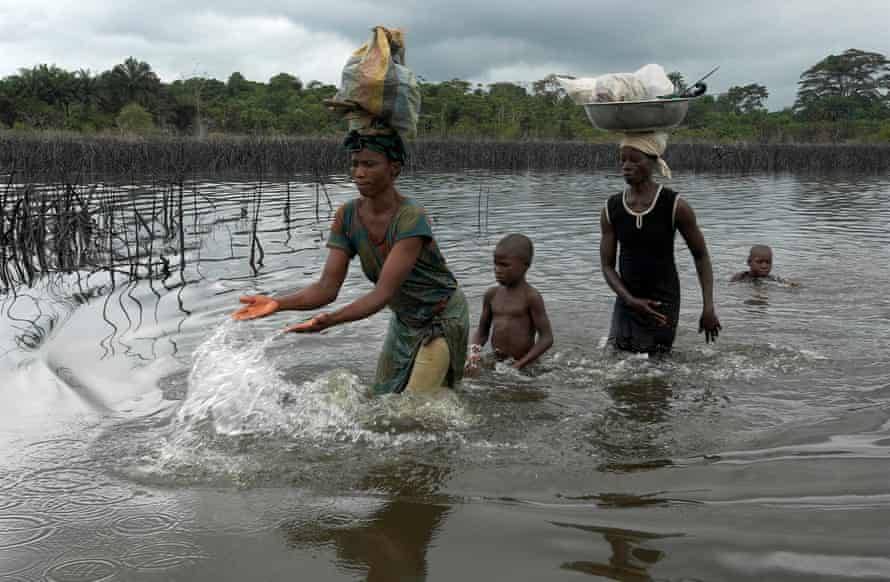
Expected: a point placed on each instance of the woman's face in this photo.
(372, 172)
(636, 167)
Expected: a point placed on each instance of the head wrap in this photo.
(651, 144)
(389, 144)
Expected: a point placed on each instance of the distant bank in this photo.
(65, 156)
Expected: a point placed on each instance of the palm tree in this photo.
(47, 83)
(133, 81)
(87, 87)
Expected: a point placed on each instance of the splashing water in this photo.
(239, 402)
(235, 390)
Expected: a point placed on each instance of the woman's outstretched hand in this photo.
(709, 324)
(256, 306)
(316, 324)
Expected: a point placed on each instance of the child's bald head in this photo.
(760, 251)
(516, 245)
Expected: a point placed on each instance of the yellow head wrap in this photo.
(653, 144)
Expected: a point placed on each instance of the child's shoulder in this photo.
(491, 292)
(532, 293)
(741, 276)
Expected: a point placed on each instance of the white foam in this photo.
(235, 389)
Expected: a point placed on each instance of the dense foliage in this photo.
(842, 98)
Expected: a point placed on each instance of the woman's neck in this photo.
(643, 190)
(385, 202)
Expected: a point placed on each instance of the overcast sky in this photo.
(753, 41)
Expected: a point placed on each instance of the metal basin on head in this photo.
(631, 116)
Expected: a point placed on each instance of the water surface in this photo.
(146, 436)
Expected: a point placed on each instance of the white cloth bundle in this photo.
(648, 82)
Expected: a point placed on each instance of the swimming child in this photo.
(760, 265)
(513, 311)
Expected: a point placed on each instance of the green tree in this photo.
(7, 103)
(281, 93)
(133, 81)
(285, 83)
(86, 87)
(850, 81)
(236, 84)
(193, 99)
(49, 84)
(133, 118)
(83, 113)
(745, 99)
(549, 90)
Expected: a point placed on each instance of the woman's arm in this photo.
(318, 294)
(695, 240)
(396, 268)
(323, 291)
(608, 257)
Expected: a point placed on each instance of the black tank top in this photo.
(646, 246)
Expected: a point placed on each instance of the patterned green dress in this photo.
(429, 303)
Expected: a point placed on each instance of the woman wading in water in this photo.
(426, 344)
(641, 222)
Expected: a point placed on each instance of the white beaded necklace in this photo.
(639, 215)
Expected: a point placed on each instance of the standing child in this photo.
(513, 311)
(760, 265)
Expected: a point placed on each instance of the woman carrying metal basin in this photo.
(642, 221)
(638, 225)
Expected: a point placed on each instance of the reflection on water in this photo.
(645, 400)
(631, 555)
(144, 434)
(392, 542)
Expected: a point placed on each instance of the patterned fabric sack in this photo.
(376, 86)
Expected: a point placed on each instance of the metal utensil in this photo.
(698, 88)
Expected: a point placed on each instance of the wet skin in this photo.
(514, 312)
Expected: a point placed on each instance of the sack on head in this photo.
(376, 86)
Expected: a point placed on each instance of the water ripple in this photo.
(19, 560)
(58, 481)
(142, 525)
(52, 451)
(21, 530)
(85, 570)
(163, 555)
(68, 509)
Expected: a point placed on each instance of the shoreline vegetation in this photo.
(67, 157)
(842, 100)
